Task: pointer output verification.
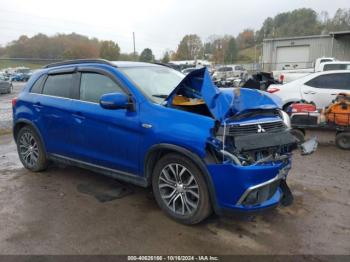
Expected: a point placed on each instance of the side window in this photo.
(331, 81)
(59, 85)
(37, 87)
(93, 86)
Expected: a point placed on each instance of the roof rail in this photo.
(80, 61)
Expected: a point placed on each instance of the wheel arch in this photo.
(157, 151)
(22, 123)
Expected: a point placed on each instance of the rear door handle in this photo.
(79, 115)
(38, 105)
(309, 93)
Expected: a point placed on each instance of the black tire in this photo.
(342, 140)
(37, 161)
(299, 134)
(203, 208)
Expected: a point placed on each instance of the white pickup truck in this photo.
(321, 64)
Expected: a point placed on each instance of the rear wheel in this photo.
(30, 150)
(180, 189)
(342, 140)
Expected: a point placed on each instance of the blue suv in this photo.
(199, 147)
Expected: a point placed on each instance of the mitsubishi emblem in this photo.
(261, 129)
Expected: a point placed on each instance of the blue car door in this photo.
(54, 106)
(104, 137)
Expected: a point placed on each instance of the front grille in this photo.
(268, 127)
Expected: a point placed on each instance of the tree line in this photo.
(225, 49)
(219, 49)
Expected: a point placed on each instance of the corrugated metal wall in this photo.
(341, 48)
(319, 46)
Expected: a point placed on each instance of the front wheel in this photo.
(180, 189)
(30, 150)
(342, 140)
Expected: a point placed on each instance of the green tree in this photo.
(231, 51)
(340, 21)
(299, 22)
(146, 55)
(166, 57)
(109, 50)
(245, 39)
(190, 48)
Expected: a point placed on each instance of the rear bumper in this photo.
(247, 189)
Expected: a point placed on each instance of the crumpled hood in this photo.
(223, 103)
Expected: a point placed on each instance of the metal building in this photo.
(301, 52)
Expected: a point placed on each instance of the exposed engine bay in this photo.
(256, 135)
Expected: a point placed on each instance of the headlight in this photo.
(286, 119)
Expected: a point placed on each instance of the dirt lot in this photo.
(73, 211)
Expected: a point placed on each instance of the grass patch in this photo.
(5, 131)
(247, 55)
(15, 63)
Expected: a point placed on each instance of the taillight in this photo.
(281, 78)
(273, 90)
(14, 101)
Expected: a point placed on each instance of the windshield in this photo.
(225, 69)
(155, 81)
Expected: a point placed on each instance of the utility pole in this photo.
(133, 38)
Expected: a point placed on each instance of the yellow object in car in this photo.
(185, 101)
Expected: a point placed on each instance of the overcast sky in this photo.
(158, 24)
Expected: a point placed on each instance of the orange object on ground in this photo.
(339, 111)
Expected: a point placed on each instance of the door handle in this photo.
(333, 94)
(309, 93)
(37, 105)
(78, 115)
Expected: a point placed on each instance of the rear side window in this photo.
(38, 85)
(330, 67)
(331, 81)
(59, 85)
(93, 86)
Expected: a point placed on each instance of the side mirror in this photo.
(114, 101)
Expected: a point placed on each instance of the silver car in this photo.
(5, 85)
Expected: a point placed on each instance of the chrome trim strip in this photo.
(97, 166)
(65, 98)
(281, 174)
(263, 122)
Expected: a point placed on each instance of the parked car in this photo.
(320, 88)
(21, 74)
(200, 148)
(230, 73)
(321, 64)
(288, 74)
(5, 85)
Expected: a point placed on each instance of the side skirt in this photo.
(117, 174)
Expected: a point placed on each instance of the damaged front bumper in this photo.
(248, 188)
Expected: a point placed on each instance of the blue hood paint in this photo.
(223, 103)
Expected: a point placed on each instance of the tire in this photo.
(31, 150)
(342, 140)
(190, 197)
(298, 134)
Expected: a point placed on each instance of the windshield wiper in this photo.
(160, 96)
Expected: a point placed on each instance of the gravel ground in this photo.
(68, 210)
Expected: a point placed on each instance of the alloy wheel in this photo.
(28, 149)
(179, 189)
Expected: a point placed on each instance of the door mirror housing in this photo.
(114, 101)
